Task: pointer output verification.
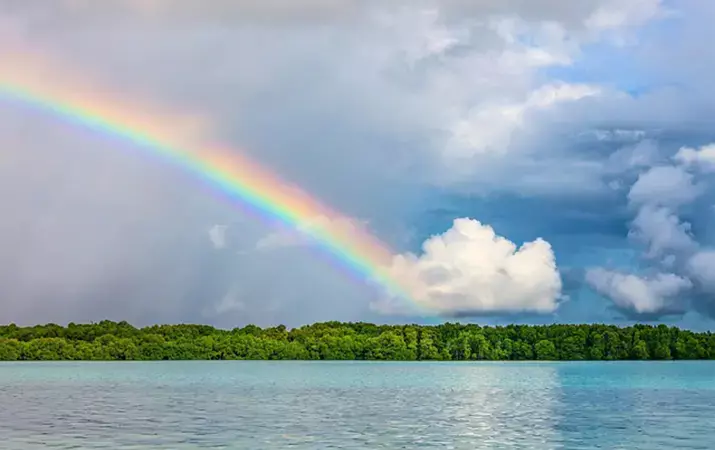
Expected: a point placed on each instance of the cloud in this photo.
(488, 128)
(662, 232)
(446, 80)
(217, 235)
(669, 186)
(282, 239)
(670, 243)
(230, 303)
(701, 267)
(371, 107)
(611, 15)
(192, 11)
(470, 270)
(644, 153)
(622, 135)
(637, 295)
(703, 157)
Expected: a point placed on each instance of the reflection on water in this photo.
(308, 405)
(498, 405)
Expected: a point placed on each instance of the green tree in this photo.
(109, 340)
(661, 350)
(479, 347)
(426, 347)
(545, 350)
(572, 348)
(522, 351)
(640, 350)
(10, 349)
(597, 349)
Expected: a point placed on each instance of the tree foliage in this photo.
(108, 340)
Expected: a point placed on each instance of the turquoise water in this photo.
(350, 405)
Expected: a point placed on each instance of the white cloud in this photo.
(488, 128)
(703, 157)
(499, 87)
(615, 14)
(664, 186)
(641, 295)
(662, 232)
(217, 235)
(469, 269)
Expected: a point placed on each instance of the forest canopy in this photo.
(108, 340)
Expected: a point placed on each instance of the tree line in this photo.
(109, 340)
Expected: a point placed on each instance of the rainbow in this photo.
(180, 142)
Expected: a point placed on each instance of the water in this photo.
(350, 405)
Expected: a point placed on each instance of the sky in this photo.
(525, 161)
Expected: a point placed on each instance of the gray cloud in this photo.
(646, 296)
(664, 186)
(644, 153)
(662, 232)
(659, 195)
(702, 267)
(365, 105)
(183, 12)
(574, 16)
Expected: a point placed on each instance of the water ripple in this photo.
(342, 405)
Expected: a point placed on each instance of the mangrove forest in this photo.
(107, 340)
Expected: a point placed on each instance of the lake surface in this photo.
(350, 405)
